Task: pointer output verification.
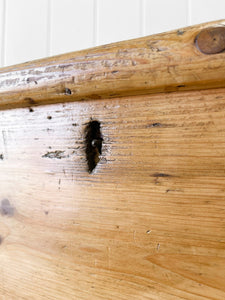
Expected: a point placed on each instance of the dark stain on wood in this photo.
(54, 154)
(49, 117)
(158, 124)
(174, 190)
(155, 125)
(161, 175)
(31, 109)
(1, 156)
(154, 46)
(94, 96)
(29, 80)
(6, 209)
(1, 239)
(114, 95)
(180, 32)
(29, 100)
(93, 144)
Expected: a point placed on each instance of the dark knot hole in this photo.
(93, 144)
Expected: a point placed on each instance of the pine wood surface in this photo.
(148, 223)
(160, 63)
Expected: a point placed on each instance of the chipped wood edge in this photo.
(163, 62)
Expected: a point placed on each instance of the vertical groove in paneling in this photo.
(2, 32)
(49, 27)
(189, 17)
(95, 23)
(142, 16)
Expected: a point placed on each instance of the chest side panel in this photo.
(147, 223)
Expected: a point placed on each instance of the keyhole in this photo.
(93, 144)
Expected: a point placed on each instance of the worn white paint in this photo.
(31, 29)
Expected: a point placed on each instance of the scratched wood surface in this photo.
(147, 223)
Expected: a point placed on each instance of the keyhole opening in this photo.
(93, 144)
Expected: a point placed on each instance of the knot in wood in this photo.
(211, 40)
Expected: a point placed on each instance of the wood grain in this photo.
(161, 63)
(148, 223)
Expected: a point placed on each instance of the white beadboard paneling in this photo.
(72, 25)
(207, 10)
(164, 15)
(2, 17)
(25, 30)
(118, 20)
(1, 32)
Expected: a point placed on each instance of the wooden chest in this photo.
(112, 171)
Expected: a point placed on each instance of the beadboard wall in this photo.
(32, 29)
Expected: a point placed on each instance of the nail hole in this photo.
(93, 144)
(156, 125)
(68, 91)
